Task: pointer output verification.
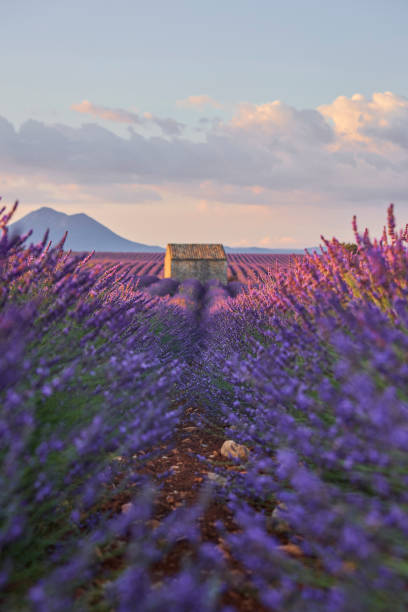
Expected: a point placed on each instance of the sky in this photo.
(251, 123)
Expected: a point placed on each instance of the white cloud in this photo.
(353, 150)
(117, 115)
(37, 189)
(169, 126)
(376, 123)
(199, 102)
(289, 240)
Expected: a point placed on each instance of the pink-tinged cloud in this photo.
(289, 240)
(266, 154)
(199, 102)
(370, 123)
(37, 190)
(169, 126)
(117, 115)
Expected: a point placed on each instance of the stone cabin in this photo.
(201, 261)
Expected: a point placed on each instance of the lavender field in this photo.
(302, 362)
(242, 267)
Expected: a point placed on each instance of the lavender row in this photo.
(307, 369)
(92, 385)
(310, 373)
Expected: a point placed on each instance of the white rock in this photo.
(277, 523)
(217, 479)
(233, 450)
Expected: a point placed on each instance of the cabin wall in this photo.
(167, 265)
(202, 269)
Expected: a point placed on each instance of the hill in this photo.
(84, 233)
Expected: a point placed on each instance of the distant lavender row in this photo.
(241, 267)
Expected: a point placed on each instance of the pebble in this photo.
(277, 523)
(217, 478)
(153, 523)
(291, 549)
(232, 450)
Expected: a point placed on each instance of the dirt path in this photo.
(187, 475)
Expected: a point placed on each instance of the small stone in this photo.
(348, 567)
(217, 479)
(232, 450)
(98, 552)
(279, 525)
(126, 508)
(236, 577)
(291, 549)
(223, 547)
(157, 585)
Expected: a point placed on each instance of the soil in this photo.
(182, 486)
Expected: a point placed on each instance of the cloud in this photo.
(372, 123)
(199, 102)
(275, 121)
(267, 241)
(352, 150)
(118, 115)
(287, 240)
(169, 126)
(38, 190)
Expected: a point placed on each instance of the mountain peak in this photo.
(46, 211)
(84, 233)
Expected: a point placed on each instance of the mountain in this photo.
(84, 233)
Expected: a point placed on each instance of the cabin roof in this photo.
(196, 251)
